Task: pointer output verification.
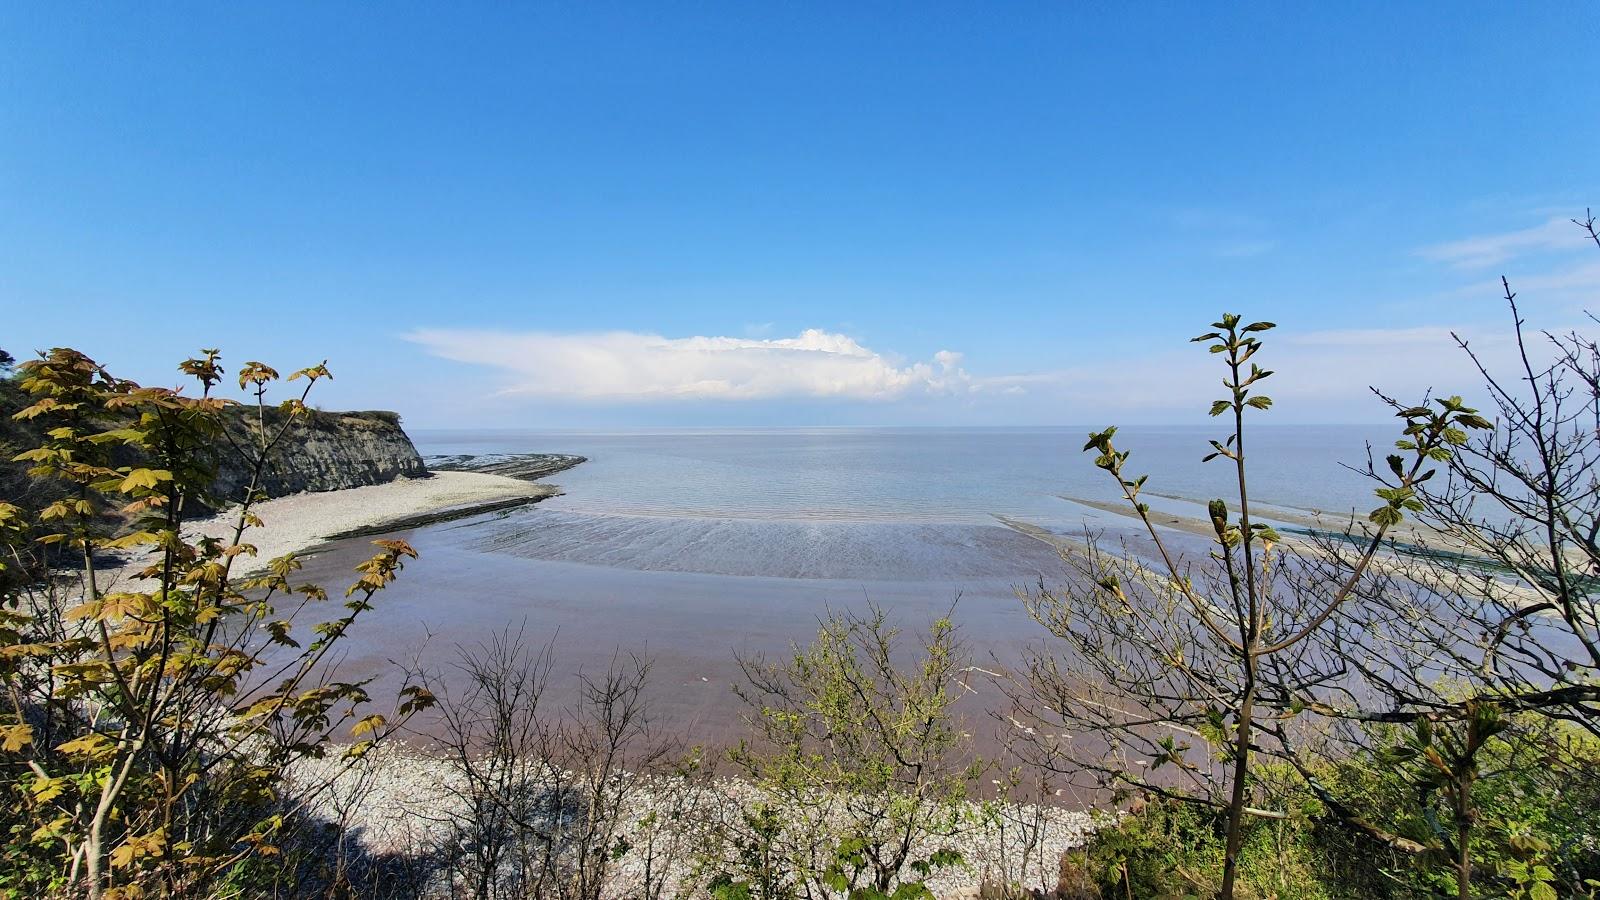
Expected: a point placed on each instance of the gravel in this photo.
(403, 800)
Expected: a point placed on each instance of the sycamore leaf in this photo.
(256, 373)
(14, 737)
(143, 478)
(133, 539)
(313, 372)
(15, 650)
(125, 435)
(46, 789)
(90, 745)
(367, 725)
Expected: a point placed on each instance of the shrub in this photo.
(149, 719)
(860, 764)
(1538, 823)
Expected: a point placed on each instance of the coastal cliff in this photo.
(327, 451)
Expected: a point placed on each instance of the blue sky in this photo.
(596, 214)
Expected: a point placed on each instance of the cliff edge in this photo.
(326, 451)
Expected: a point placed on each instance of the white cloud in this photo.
(1582, 281)
(1561, 291)
(1423, 336)
(1491, 249)
(1327, 366)
(629, 366)
(1321, 376)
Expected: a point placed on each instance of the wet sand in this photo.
(691, 624)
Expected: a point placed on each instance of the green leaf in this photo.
(1385, 516)
(1100, 440)
(1219, 407)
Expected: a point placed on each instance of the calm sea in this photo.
(692, 546)
(916, 474)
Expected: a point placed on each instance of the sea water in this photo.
(694, 546)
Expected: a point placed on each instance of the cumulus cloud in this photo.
(1322, 376)
(630, 366)
(1492, 249)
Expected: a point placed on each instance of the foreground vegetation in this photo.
(1283, 717)
(1436, 713)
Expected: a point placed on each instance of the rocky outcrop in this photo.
(326, 451)
(525, 466)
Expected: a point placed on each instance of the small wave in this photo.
(784, 548)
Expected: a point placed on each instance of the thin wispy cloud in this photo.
(1583, 278)
(1372, 337)
(1558, 233)
(1319, 376)
(1567, 289)
(631, 366)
